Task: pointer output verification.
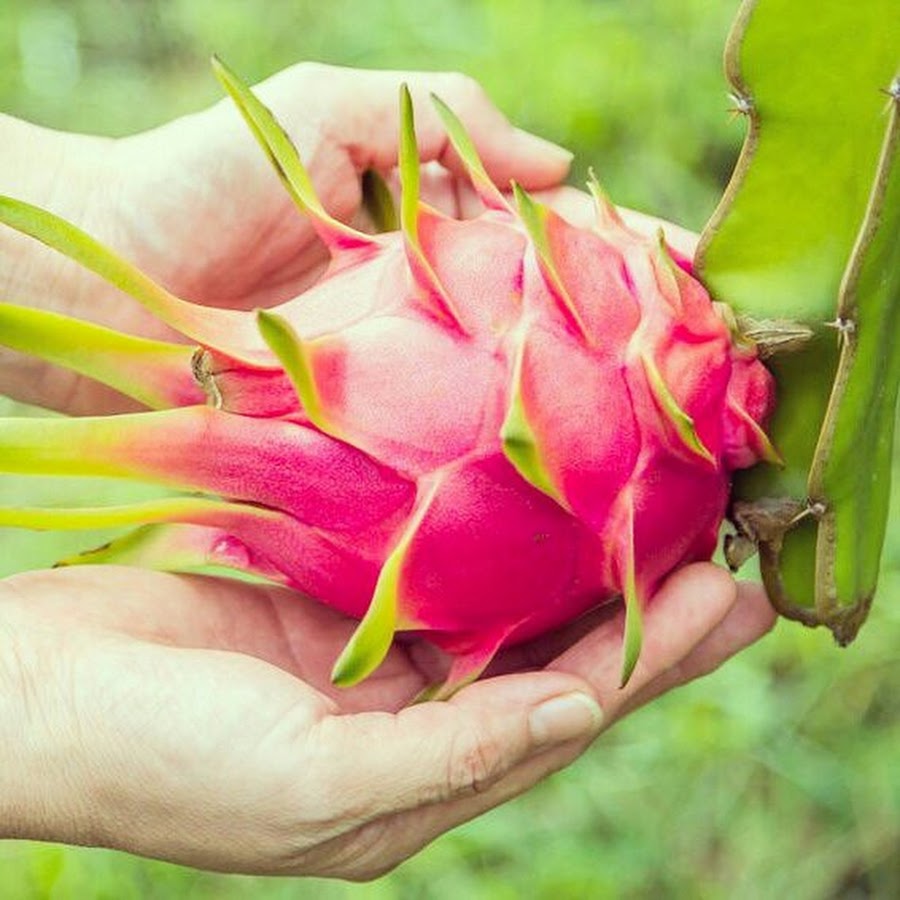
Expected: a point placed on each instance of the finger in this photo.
(712, 629)
(437, 752)
(749, 619)
(577, 207)
(378, 846)
(686, 609)
(361, 109)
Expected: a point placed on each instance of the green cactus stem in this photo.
(806, 249)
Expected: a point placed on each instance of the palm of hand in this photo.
(207, 704)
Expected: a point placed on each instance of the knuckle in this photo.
(312, 70)
(465, 90)
(475, 764)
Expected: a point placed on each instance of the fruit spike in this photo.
(517, 437)
(534, 217)
(284, 157)
(607, 215)
(378, 201)
(197, 448)
(372, 639)
(226, 329)
(488, 192)
(479, 459)
(673, 413)
(154, 373)
(179, 548)
(294, 356)
(634, 630)
(194, 510)
(410, 213)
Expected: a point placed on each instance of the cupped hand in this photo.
(192, 720)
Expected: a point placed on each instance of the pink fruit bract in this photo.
(471, 430)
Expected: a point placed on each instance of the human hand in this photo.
(197, 206)
(192, 720)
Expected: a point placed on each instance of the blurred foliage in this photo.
(616, 81)
(774, 777)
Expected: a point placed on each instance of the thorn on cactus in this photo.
(741, 105)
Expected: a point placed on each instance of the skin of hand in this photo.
(192, 719)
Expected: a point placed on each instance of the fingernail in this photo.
(553, 153)
(565, 718)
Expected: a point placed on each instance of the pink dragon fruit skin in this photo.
(471, 430)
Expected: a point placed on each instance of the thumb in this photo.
(437, 752)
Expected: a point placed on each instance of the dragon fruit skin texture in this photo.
(471, 430)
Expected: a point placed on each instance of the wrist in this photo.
(19, 778)
(42, 794)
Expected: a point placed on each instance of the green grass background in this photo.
(775, 777)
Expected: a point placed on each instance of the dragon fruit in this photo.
(473, 431)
